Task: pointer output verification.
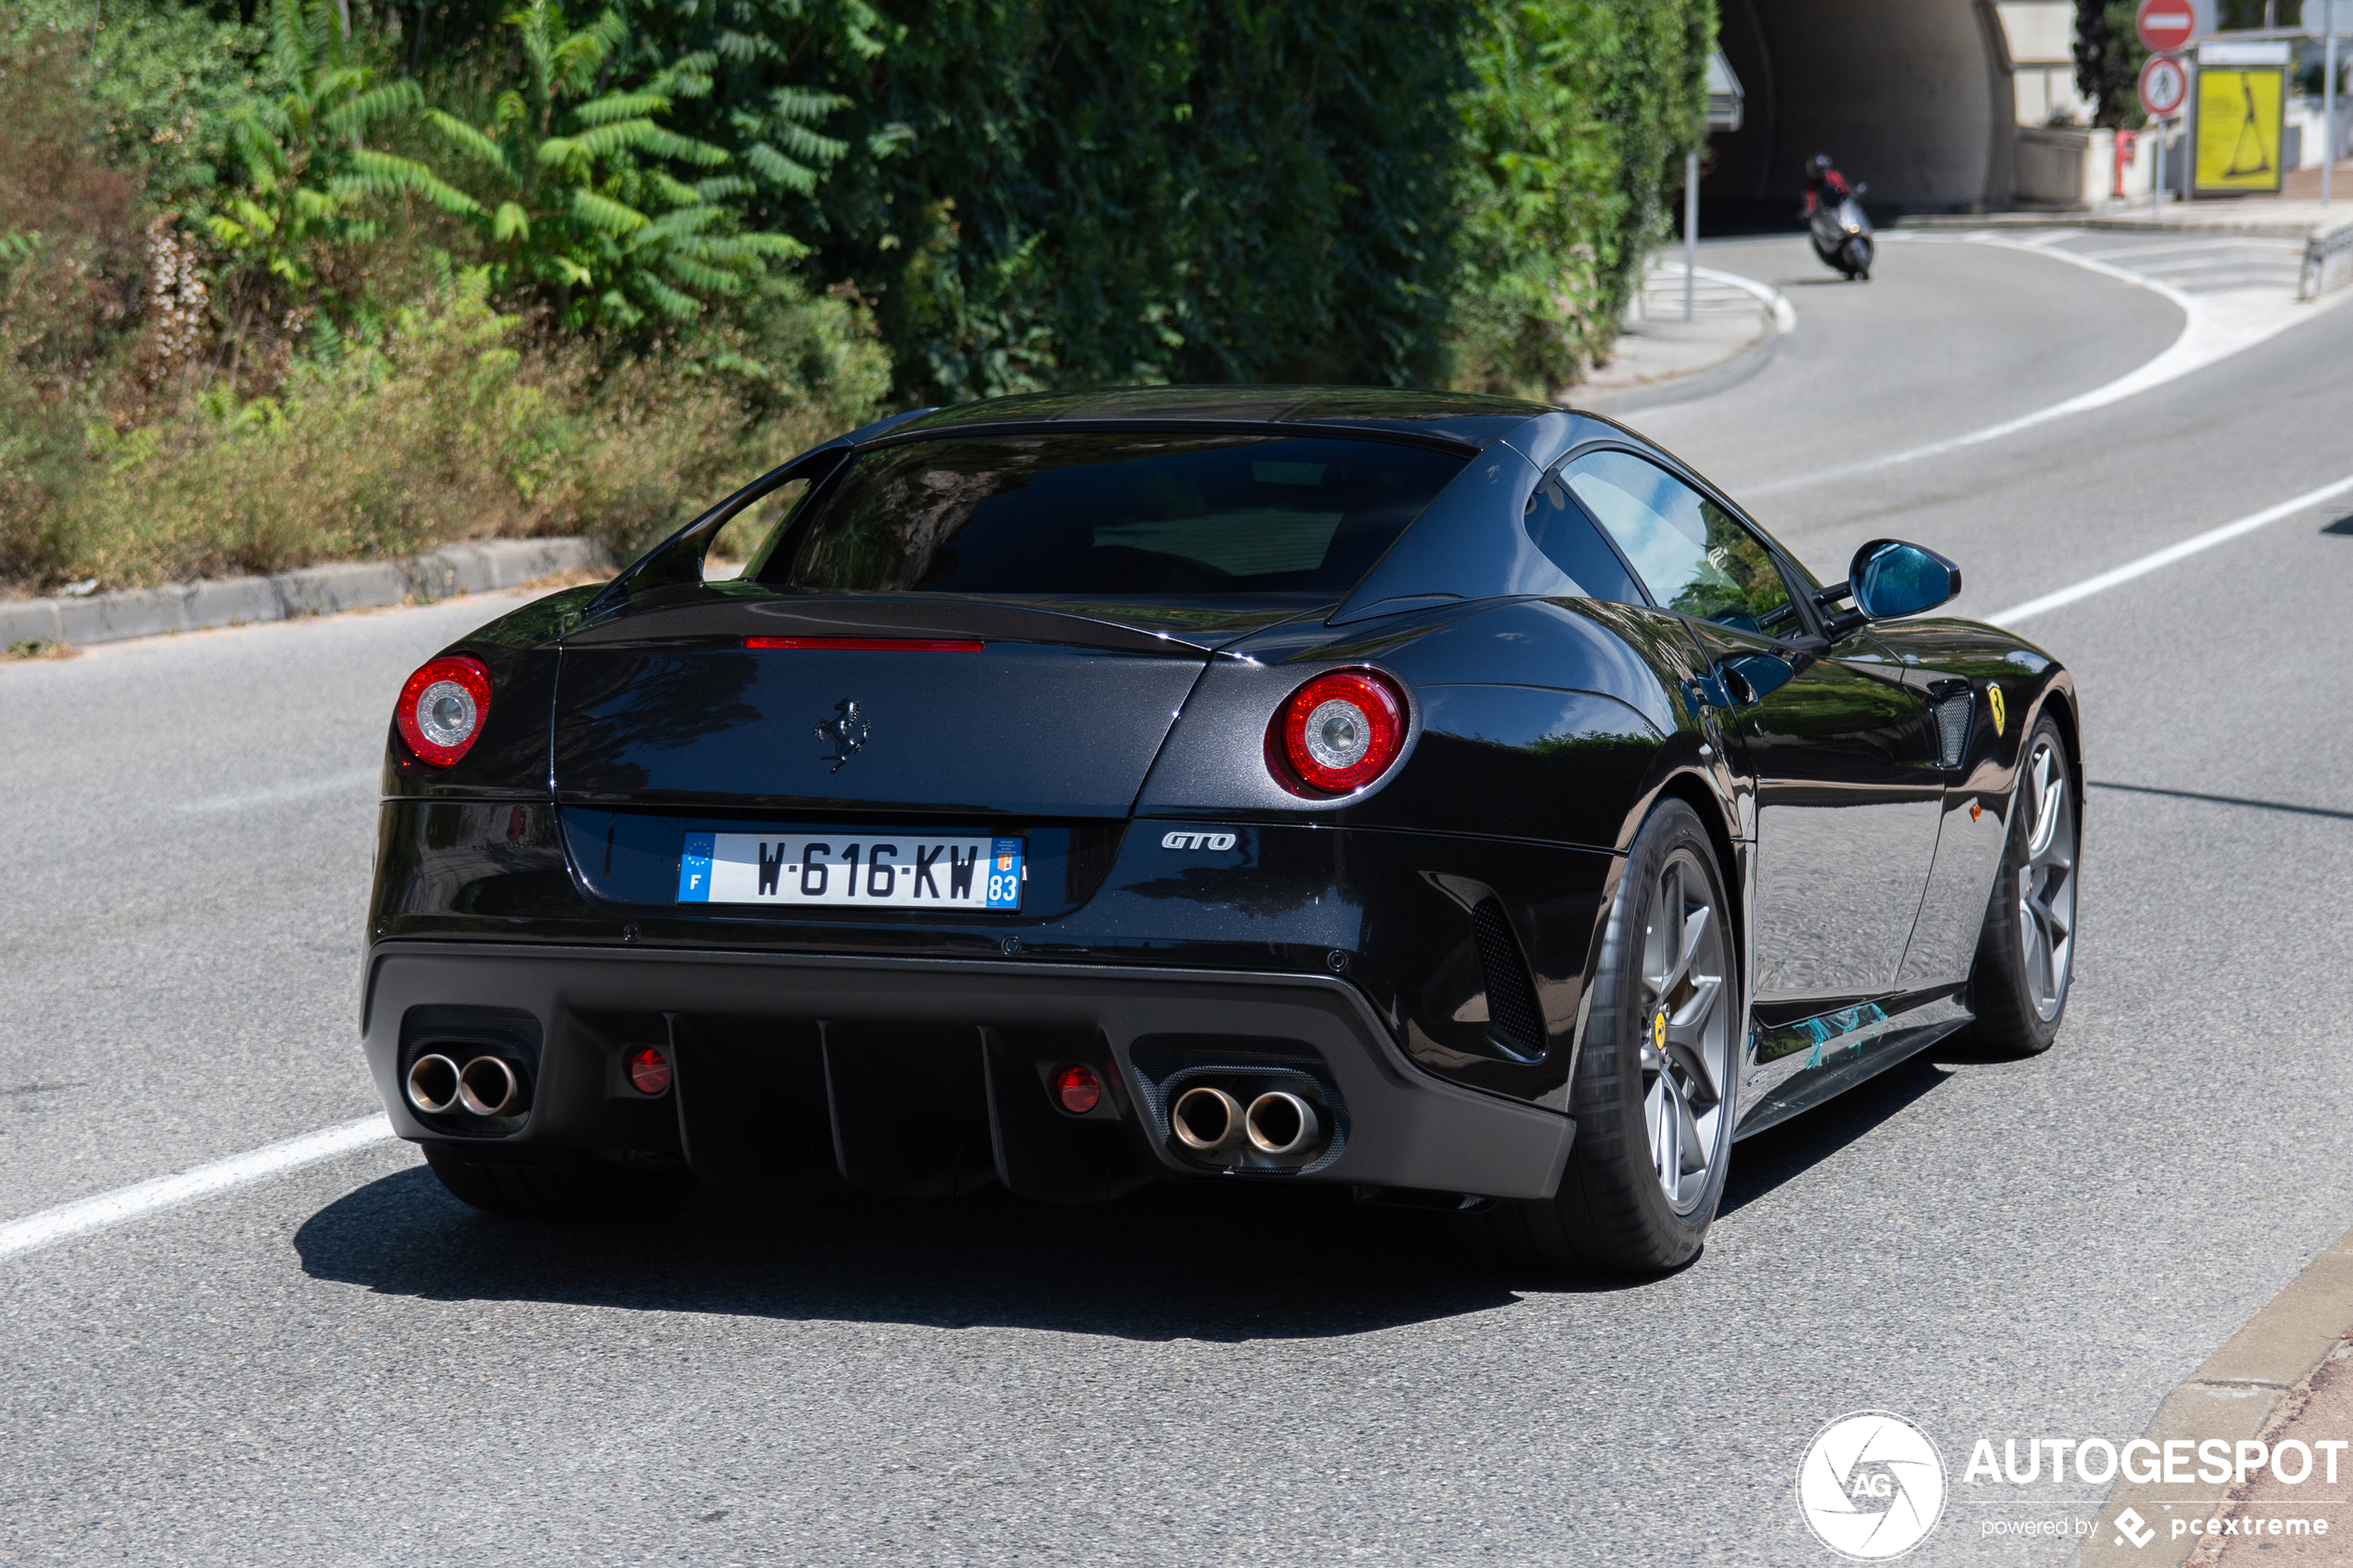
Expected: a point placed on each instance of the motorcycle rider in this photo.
(1824, 185)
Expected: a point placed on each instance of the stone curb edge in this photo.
(1719, 377)
(2242, 227)
(2237, 1391)
(312, 590)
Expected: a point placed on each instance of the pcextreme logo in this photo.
(1871, 1485)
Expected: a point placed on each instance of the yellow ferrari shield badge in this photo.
(1659, 1029)
(1994, 703)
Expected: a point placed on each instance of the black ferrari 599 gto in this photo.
(1453, 797)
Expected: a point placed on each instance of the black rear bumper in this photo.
(919, 1075)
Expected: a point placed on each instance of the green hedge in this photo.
(1044, 193)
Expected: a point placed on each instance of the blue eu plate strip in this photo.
(694, 870)
(1004, 873)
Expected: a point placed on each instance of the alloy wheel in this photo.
(2047, 882)
(1687, 1031)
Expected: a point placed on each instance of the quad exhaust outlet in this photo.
(1277, 1126)
(1281, 1123)
(1206, 1120)
(488, 1085)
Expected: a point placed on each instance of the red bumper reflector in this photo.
(1079, 1089)
(867, 645)
(649, 1071)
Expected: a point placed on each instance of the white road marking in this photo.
(277, 793)
(2171, 554)
(165, 1192)
(2212, 329)
(1773, 299)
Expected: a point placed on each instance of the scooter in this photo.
(1843, 235)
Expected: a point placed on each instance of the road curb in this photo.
(312, 590)
(1721, 376)
(2235, 1394)
(2242, 227)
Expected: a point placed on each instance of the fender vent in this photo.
(1952, 728)
(1511, 995)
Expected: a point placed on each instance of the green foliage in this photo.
(455, 424)
(592, 197)
(1050, 192)
(1045, 193)
(163, 82)
(324, 287)
(308, 173)
(1577, 111)
(2108, 61)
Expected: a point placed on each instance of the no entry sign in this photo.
(2163, 86)
(2166, 25)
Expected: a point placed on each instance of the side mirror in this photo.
(1890, 579)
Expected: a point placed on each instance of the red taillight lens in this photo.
(1338, 732)
(1079, 1089)
(648, 1070)
(443, 708)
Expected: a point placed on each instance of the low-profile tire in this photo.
(1653, 1095)
(622, 1190)
(2026, 950)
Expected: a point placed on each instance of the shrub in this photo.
(458, 425)
(1051, 193)
(1577, 110)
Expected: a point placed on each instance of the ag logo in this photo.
(1197, 841)
(1871, 1485)
(1993, 706)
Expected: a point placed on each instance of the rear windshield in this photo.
(1104, 515)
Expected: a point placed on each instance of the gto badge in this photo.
(847, 730)
(1197, 841)
(1993, 706)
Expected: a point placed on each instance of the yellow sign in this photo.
(2242, 123)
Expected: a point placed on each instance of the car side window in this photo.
(1570, 542)
(1694, 556)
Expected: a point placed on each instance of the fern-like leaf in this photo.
(468, 140)
(603, 213)
(615, 107)
(779, 170)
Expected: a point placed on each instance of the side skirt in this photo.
(1795, 1066)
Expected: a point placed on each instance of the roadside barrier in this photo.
(2328, 261)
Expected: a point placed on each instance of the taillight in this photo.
(443, 708)
(1338, 732)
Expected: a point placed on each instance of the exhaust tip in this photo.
(488, 1085)
(1205, 1119)
(1281, 1123)
(432, 1083)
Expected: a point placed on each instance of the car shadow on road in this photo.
(1780, 1154)
(1167, 1263)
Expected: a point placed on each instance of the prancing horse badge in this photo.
(845, 730)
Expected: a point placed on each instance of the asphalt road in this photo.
(340, 1365)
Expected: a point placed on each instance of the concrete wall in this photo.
(1913, 97)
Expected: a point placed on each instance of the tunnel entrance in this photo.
(1914, 98)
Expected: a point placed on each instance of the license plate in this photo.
(884, 871)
